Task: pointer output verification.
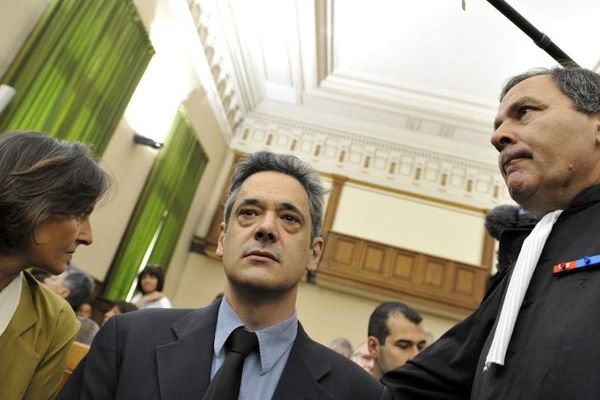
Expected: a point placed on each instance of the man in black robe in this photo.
(547, 133)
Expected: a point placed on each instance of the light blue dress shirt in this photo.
(261, 370)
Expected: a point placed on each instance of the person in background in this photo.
(342, 346)
(119, 307)
(75, 286)
(396, 335)
(84, 310)
(150, 285)
(48, 189)
(362, 357)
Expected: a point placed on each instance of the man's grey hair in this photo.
(581, 85)
(342, 346)
(286, 164)
(80, 286)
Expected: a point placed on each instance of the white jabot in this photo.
(9, 300)
(519, 282)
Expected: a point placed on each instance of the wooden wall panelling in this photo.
(337, 186)
(387, 270)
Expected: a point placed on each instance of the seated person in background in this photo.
(342, 346)
(150, 285)
(84, 310)
(395, 336)
(48, 188)
(75, 285)
(119, 307)
(362, 357)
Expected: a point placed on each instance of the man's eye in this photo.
(247, 213)
(523, 110)
(291, 218)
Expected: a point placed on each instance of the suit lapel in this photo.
(183, 366)
(19, 357)
(26, 315)
(302, 374)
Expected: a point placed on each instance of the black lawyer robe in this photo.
(554, 352)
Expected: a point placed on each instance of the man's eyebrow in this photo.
(514, 106)
(291, 207)
(248, 202)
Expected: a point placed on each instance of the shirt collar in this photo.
(273, 341)
(9, 301)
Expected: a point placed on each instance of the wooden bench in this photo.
(76, 354)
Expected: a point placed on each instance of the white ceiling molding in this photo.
(224, 81)
(403, 167)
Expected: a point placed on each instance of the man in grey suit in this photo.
(269, 239)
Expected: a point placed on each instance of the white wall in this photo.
(411, 223)
(17, 18)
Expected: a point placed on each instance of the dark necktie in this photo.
(226, 383)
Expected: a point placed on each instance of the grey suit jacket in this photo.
(167, 354)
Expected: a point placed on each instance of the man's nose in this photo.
(502, 137)
(266, 231)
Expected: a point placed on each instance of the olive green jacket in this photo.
(34, 346)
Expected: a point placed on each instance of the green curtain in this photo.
(77, 71)
(158, 218)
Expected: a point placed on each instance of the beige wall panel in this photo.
(17, 19)
(409, 223)
(201, 279)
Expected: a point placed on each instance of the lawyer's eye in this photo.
(524, 110)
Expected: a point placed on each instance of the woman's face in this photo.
(55, 241)
(149, 284)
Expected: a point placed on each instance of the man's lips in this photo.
(262, 253)
(507, 159)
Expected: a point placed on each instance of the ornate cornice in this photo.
(212, 38)
(424, 172)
